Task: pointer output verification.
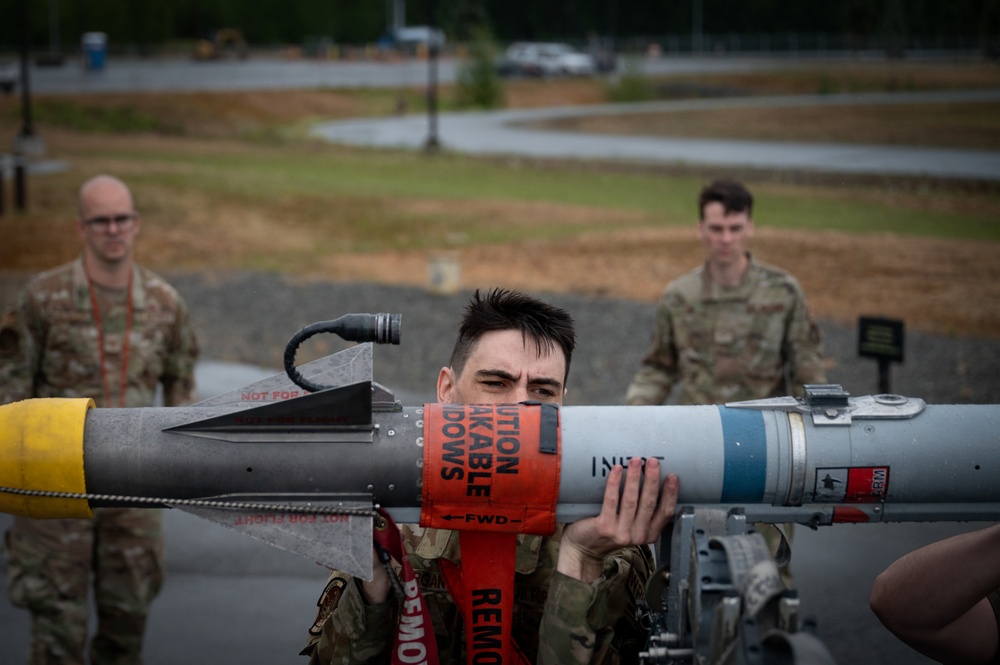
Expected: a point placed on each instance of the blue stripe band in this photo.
(745, 468)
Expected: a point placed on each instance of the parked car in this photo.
(545, 59)
(10, 74)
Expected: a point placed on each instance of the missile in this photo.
(303, 470)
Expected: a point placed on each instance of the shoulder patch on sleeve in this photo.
(327, 603)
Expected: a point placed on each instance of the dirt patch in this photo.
(939, 286)
(948, 287)
(566, 92)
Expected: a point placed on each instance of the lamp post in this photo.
(432, 144)
(26, 139)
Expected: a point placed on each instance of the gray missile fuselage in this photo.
(938, 462)
(271, 449)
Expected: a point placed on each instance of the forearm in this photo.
(579, 565)
(956, 573)
(933, 598)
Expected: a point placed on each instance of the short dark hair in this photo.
(732, 194)
(504, 309)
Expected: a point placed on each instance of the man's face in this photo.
(726, 237)
(504, 368)
(109, 224)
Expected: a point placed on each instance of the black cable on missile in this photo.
(377, 328)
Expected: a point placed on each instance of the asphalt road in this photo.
(509, 132)
(123, 74)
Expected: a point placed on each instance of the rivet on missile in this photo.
(420, 441)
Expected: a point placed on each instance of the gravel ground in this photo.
(249, 317)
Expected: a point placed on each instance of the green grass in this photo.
(851, 214)
(269, 175)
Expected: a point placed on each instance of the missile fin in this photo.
(352, 365)
(347, 408)
(342, 542)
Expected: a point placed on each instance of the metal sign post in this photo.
(881, 338)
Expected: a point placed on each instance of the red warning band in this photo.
(491, 467)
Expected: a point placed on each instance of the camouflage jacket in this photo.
(557, 619)
(49, 342)
(733, 344)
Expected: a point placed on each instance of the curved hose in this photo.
(377, 328)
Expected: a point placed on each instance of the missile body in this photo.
(826, 459)
(942, 463)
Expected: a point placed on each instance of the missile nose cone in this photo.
(41, 448)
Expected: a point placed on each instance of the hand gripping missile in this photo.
(290, 466)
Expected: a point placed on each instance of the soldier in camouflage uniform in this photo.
(576, 591)
(105, 328)
(732, 329)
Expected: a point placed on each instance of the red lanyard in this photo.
(414, 640)
(96, 311)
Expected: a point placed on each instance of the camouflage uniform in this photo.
(725, 345)
(557, 619)
(49, 348)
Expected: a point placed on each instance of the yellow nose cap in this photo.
(41, 448)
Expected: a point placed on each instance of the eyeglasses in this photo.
(102, 223)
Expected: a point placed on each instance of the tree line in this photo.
(153, 23)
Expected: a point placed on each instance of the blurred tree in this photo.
(894, 28)
(479, 84)
(990, 29)
(153, 22)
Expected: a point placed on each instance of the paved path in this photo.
(124, 74)
(133, 75)
(504, 132)
(509, 133)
